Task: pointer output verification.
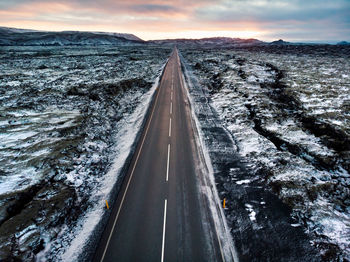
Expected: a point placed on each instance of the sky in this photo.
(291, 20)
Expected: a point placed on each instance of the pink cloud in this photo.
(157, 17)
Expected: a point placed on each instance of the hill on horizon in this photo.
(27, 37)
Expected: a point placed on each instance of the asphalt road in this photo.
(159, 214)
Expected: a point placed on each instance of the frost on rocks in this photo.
(68, 119)
(286, 112)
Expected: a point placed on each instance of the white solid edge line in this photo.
(132, 172)
(167, 165)
(164, 224)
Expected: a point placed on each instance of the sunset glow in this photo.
(155, 19)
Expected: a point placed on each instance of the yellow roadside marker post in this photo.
(107, 205)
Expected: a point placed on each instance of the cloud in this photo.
(146, 8)
(275, 11)
(292, 19)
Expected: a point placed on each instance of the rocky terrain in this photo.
(276, 121)
(62, 112)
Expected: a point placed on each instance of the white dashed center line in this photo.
(170, 128)
(164, 223)
(167, 165)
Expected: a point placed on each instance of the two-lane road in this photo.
(158, 215)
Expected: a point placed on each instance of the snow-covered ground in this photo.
(68, 119)
(288, 115)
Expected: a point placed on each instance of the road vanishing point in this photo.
(159, 214)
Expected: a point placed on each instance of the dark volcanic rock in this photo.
(34, 218)
(61, 111)
(260, 222)
(285, 108)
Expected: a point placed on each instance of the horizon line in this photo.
(185, 38)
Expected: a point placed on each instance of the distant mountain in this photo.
(16, 30)
(280, 42)
(126, 36)
(24, 37)
(219, 41)
(343, 43)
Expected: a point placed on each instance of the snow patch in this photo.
(208, 182)
(252, 213)
(127, 135)
(241, 182)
